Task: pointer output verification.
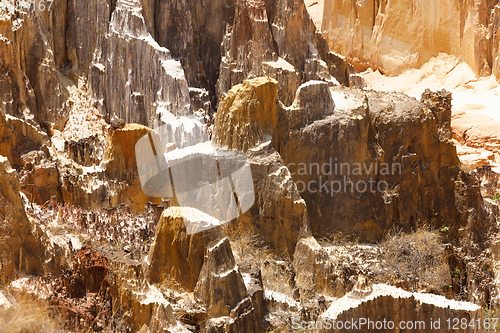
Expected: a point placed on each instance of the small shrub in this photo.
(417, 258)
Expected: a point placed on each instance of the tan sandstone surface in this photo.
(396, 35)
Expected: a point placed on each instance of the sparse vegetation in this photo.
(28, 316)
(492, 316)
(417, 258)
(339, 238)
(445, 229)
(496, 198)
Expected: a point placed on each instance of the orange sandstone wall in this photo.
(394, 35)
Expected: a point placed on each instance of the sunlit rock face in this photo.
(248, 120)
(20, 250)
(176, 254)
(395, 35)
(276, 38)
(373, 161)
(383, 303)
(136, 82)
(364, 162)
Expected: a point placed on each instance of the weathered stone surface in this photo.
(391, 37)
(128, 95)
(313, 101)
(193, 32)
(386, 303)
(247, 45)
(279, 214)
(40, 177)
(17, 137)
(150, 309)
(477, 131)
(175, 254)
(83, 151)
(14, 93)
(248, 117)
(367, 132)
(20, 250)
(251, 104)
(31, 73)
(79, 48)
(119, 157)
(286, 76)
(315, 269)
(220, 285)
(255, 289)
(222, 290)
(293, 31)
(276, 38)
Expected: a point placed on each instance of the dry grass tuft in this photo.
(417, 258)
(28, 316)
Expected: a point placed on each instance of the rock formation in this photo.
(393, 306)
(314, 134)
(252, 110)
(389, 142)
(277, 39)
(393, 36)
(128, 95)
(82, 83)
(175, 254)
(21, 249)
(17, 137)
(254, 103)
(314, 268)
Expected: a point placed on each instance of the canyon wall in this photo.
(395, 35)
(81, 84)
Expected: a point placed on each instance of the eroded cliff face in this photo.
(81, 84)
(364, 163)
(278, 39)
(394, 305)
(396, 35)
